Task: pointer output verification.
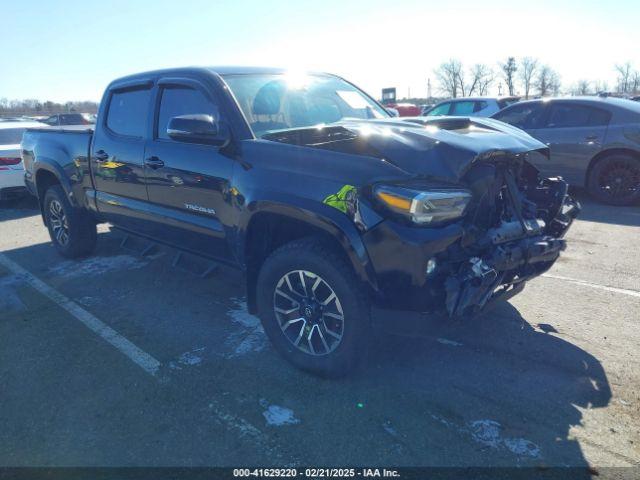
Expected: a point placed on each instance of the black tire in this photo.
(72, 230)
(316, 257)
(615, 180)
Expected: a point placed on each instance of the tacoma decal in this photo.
(199, 208)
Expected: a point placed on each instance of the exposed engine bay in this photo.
(513, 232)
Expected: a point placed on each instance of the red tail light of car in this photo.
(9, 161)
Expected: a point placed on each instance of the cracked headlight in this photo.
(424, 207)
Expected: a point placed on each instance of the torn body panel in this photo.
(512, 232)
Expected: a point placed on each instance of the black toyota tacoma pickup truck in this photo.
(332, 208)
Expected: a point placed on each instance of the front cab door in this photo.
(188, 183)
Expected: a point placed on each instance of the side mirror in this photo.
(198, 128)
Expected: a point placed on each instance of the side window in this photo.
(480, 105)
(127, 114)
(599, 117)
(440, 110)
(52, 120)
(463, 108)
(567, 116)
(176, 101)
(523, 115)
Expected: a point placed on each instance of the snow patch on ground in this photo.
(488, 433)
(522, 446)
(278, 416)
(189, 359)
(250, 337)
(451, 343)
(96, 266)
(389, 428)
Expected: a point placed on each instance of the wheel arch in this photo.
(46, 175)
(272, 224)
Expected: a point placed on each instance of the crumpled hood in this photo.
(440, 147)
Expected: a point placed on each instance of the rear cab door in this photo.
(574, 133)
(188, 183)
(117, 154)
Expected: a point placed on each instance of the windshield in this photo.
(11, 136)
(284, 101)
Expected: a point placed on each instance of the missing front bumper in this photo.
(505, 270)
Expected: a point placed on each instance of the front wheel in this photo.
(615, 180)
(72, 231)
(313, 308)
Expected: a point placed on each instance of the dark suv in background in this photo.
(594, 142)
(68, 119)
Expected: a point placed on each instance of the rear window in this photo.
(11, 136)
(566, 116)
(481, 105)
(463, 108)
(505, 102)
(127, 114)
(72, 119)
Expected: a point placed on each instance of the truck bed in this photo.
(62, 149)
(64, 128)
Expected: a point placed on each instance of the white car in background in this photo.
(11, 168)
(470, 106)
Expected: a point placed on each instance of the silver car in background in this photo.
(594, 142)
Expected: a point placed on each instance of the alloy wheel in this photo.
(58, 221)
(309, 312)
(620, 180)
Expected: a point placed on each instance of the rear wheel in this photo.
(72, 231)
(615, 180)
(313, 308)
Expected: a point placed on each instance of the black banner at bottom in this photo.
(317, 473)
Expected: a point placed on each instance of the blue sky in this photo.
(70, 49)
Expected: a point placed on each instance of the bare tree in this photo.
(450, 77)
(33, 106)
(635, 82)
(529, 66)
(481, 79)
(509, 69)
(547, 81)
(582, 88)
(601, 86)
(624, 77)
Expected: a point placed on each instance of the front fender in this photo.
(317, 215)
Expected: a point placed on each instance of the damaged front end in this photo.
(513, 232)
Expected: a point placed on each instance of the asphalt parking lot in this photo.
(124, 360)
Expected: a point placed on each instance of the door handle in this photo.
(591, 138)
(101, 156)
(154, 162)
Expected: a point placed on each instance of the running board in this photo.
(185, 261)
